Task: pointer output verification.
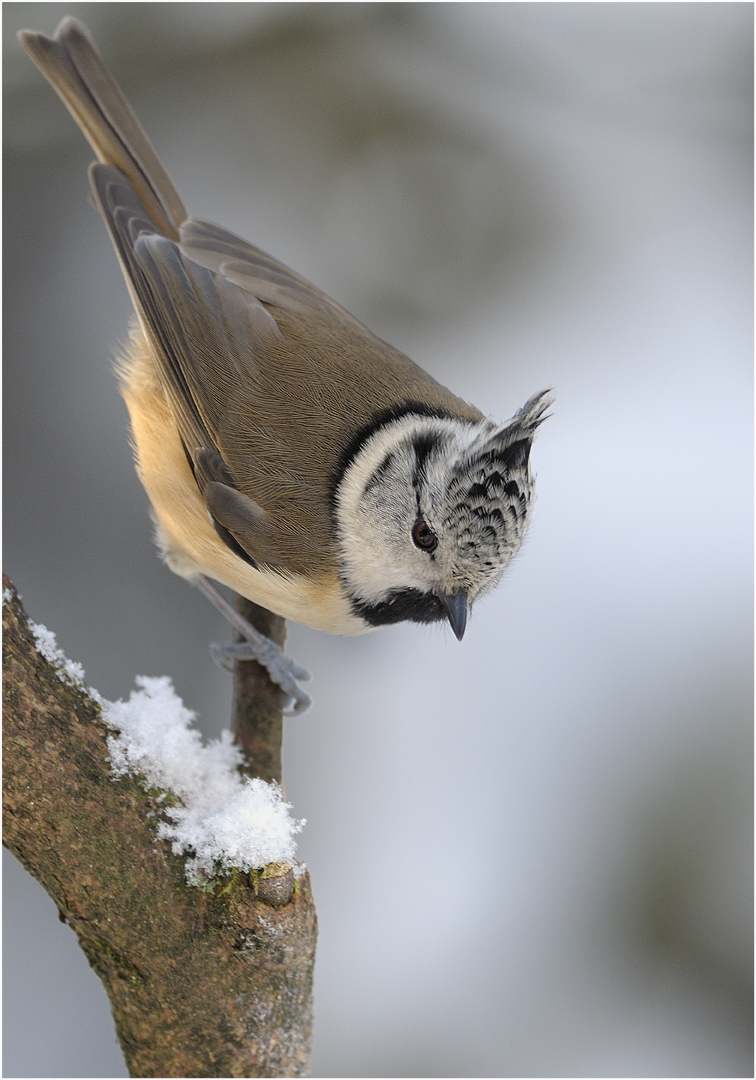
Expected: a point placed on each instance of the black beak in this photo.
(455, 605)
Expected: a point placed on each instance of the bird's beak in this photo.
(455, 605)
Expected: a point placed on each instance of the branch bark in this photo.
(201, 984)
(258, 703)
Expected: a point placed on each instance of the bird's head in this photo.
(430, 510)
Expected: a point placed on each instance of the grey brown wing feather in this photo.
(128, 224)
(258, 273)
(238, 519)
(202, 328)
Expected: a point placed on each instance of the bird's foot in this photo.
(282, 669)
(256, 646)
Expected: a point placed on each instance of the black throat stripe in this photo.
(401, 605)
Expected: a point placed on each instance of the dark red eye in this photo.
(424, 537)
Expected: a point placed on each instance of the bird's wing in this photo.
(259, 274)
(204, 331)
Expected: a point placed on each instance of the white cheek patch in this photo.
(377, 503)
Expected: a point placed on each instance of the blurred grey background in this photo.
(531, 852)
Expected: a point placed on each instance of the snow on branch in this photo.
(218, 819)
(225, 821)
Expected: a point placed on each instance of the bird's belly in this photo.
(185, 534)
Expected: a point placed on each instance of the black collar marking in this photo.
(387, 416)
(401, 605)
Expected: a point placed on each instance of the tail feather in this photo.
(71, 62)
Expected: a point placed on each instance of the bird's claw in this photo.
(226, 653)
(282, 669)
(256, 646)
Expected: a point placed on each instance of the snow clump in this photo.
(223, 820)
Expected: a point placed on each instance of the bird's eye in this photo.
(424, 537)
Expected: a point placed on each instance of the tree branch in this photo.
(258, 703)
(201, 984)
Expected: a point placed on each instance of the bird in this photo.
(287, 452)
